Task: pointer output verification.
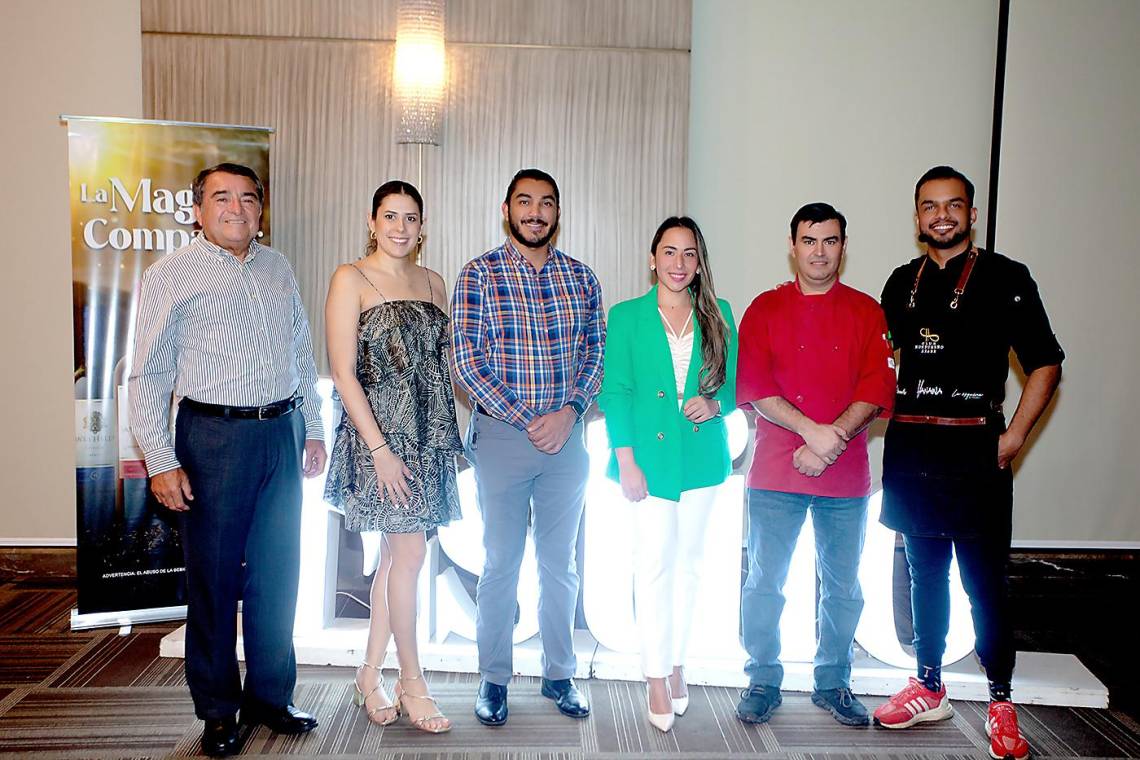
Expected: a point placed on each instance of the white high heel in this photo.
(661, 721)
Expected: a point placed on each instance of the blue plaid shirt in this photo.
(527, 342)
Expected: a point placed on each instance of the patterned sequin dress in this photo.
(402, 365)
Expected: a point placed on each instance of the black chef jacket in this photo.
(942, 480)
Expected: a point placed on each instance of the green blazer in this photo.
(639, 398)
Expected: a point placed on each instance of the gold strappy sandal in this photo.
(421, 722)
(360, 699)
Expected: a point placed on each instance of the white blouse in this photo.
(681, 349)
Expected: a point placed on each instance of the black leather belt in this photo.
(267, 412)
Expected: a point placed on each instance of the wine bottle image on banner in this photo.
(131, 497)
(95, 459)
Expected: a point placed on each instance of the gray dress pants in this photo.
(518, 484)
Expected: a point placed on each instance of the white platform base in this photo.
(91, 620)
(1041, 679)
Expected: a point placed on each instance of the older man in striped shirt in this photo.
(527, 339)
(222, 327)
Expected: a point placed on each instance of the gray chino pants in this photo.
(518, 483)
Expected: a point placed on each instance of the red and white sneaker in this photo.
(1006, 741)
(914, 704)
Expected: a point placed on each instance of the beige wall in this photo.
(824, 101)
(58, 57)
(830, 100)
(1070, 197)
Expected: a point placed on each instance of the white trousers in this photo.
(667, 551)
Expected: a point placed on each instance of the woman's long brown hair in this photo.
(714, 331)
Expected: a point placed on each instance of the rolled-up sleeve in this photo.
(1031, 336)
(876, 384)
(754, 376)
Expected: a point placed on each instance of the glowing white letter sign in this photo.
(607, 572)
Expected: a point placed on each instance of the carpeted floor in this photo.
(98, 694)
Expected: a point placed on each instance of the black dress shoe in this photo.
(220, 737)
(280, 720)
(566, 695)
(491, 706)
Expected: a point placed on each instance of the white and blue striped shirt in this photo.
(220, 331)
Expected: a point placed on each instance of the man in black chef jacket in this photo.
(954, 314)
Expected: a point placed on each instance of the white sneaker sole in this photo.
(942, 712)
(1007, 756)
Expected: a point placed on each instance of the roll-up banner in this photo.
(131, 204)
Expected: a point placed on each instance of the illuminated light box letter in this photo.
(462, 542)
(876, 631)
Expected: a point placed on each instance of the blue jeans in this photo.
(774, 522)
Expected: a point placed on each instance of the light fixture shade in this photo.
(420, 71)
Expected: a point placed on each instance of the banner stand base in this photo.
(87, 621)
(1041, 678)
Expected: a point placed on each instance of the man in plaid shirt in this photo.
(527, 337)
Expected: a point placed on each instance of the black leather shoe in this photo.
(491, 705)
(220, 737)
(566, 695)
(280, 720)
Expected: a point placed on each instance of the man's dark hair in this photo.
(945, 172)
(538, 174)
(814, 213)
(227, 168)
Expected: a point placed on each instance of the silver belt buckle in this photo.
(261, 413)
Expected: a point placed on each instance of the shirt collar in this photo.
(512, 251)
(220, 252)
(829, 294)
(955, 264)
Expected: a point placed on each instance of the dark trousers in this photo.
(246, 480)
(982, 565)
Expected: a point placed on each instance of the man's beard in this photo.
(517, 232)
(950, 242)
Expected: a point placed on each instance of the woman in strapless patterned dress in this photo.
(393, 463)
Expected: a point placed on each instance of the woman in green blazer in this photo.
(670, 366)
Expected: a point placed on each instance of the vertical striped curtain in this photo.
(594, 91)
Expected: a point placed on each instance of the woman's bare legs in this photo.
(378, 704)
(407, 551)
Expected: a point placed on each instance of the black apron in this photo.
(941, 480)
